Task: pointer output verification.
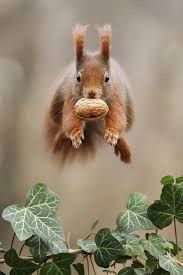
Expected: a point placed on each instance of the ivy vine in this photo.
(117, 251)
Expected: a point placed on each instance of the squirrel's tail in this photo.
(61, 146)
(122, 149)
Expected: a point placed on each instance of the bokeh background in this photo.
(35, 46)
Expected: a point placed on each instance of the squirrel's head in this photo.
(92, 76)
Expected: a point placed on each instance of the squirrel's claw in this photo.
(76, 138)
(111, 136)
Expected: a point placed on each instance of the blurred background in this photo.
(35, 46)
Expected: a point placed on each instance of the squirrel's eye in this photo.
(106, 78)
(78, 77)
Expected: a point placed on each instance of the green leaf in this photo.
(137, 264)
(133, 248)
(110, 270)
(122, 259)
(179, 180)
(20, 266)
(160, 271)
(65, 259)
(88, 246)
(167, 180)
(53, 269)
(151, 263)
(15, 272)
(61, 265)
(133, 271)
(170, 264)
(108, 248)
(127, 271)
(38, 218)
(135, 217)
(141, 271)
(172, 248)
(122, 236)
(163, 212)
(38, 248)
(154, 245)
(168, 246)
(79, 268)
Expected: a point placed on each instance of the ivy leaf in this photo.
(179, 180)
(135, 217)
(20, 266)
(154, 245)
(170, 264)
(173, 248)
(170, 206)
(160, 271)
(38, 248)
(141, 271)
(108, 248)
(119, 237)
(122, 259)
(127, 271)
(133, 271)
(133, 248)
(15, 272)
(37, 217)
(79, 268)
(65, 259)
(122, 236)
(53, 269)
(167, 180)
(137, 264)
(88, 246)
(151, 263)
(61, 265)
(110, 270)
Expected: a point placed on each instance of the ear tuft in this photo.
(105, 34)
(79, 37)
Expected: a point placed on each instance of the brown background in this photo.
(35, 45)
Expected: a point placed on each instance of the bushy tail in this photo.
(61, 146)
(122, 149)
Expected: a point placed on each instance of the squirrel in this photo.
(90, 75)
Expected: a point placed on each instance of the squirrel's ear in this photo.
(79, 37)
(105, 34)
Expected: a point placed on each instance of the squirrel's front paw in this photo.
(76, 137)
(111, 136)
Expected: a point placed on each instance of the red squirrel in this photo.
(91, 75)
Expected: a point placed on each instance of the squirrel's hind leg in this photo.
(122, 148)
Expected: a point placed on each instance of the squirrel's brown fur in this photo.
(92, 75)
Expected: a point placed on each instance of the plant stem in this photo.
(30, 258)
(68, 240)
(175, 230)
(88, 266)
(13, 239)
(20, 252)
(93, 266)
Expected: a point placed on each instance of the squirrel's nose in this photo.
(91, 94)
